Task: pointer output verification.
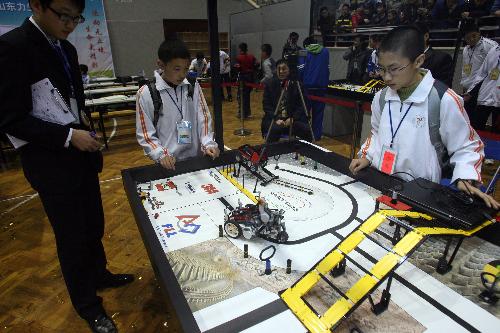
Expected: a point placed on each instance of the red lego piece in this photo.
(398, 205)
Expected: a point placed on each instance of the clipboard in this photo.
(48, 105)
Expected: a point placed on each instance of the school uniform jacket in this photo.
(474, 56)
(26, 57)
(488, 92)
(416, 155)
(162, 140)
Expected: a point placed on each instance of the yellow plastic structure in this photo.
(367, 283)
(227, 174)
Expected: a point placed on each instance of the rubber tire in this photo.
(238, 228)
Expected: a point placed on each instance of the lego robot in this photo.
(256, 220)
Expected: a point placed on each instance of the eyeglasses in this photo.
(65, 18)
(392, 71)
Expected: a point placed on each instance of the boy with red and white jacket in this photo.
(184, 127)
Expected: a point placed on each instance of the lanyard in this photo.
(400, 122)
(474, 49)
(67, 69)
(175, 103)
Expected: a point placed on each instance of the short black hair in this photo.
(406, 40)
(376, 38)
(470, 26)
(424, 29)
(267, 48)
(243, 47)
(173, 49)
(309, 40)
(200, 55)
(78, 3)
(281, 61)
(322, 9)
(84, 68)
(294, 34)
(346, 5)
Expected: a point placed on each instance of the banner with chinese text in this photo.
(90, 38)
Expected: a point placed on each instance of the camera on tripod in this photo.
(292, 58)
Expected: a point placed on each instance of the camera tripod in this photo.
(290, 84)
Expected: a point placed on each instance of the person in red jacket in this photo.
(246, 64)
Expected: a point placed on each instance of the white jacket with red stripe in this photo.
(489, 94)
(416, 154)
(162, 140)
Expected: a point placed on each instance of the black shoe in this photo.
(102, 324)
(115, 280)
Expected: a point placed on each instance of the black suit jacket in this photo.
(440, 65)
(272, 93)
(26, 57)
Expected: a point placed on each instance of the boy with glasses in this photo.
(61, 162)
(400, 141)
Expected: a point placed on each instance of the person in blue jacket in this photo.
(314, 73)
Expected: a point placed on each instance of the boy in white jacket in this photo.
(400, 142)
(487, 100)
(184, 126)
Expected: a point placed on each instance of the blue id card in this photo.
(184, 129)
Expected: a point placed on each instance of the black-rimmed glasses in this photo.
(65, 18)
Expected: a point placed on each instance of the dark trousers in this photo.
(225, 78)
(78, 222)
(299, 129)
(470, 105)
(317, 110)
(244, 95)
(481, 116)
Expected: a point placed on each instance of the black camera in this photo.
(292, 59)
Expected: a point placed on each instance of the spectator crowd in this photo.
(434, 13)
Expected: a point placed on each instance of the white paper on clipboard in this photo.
(48, 105)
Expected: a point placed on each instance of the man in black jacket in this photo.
(438, 62)
(60, 162)
(357, 55)
(291, 110)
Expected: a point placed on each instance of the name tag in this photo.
(467, 69)
(494, 74)
(388, 160)
(184, 129)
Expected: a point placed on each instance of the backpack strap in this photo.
(157, 103)
(381, 100)
(192, 82)
(434, 121)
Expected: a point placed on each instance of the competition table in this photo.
(215, 288)
(108, 91)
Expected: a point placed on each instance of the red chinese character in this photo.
(89, 37)
(87, 28)
(91, 47)
(99, 41)
(92, 56)
(94, 64)
(101, 49)
(97, 31)
(96, 22)
(209, 188)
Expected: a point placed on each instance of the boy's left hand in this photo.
(467, 187)
(212, 151)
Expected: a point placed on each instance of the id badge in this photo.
(184, 132)
(467, 69)
(388, 160)
(494, 74)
